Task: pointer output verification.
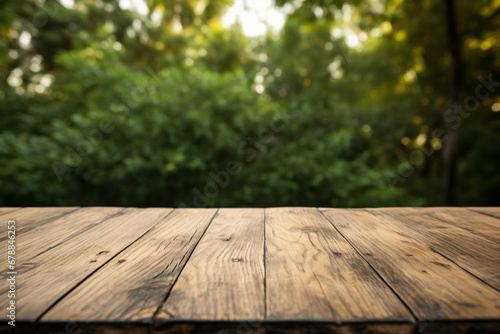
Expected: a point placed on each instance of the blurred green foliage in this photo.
(102, 106)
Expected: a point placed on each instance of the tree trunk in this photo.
(449, 153)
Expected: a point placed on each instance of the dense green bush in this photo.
(185, 136)
(184, 112)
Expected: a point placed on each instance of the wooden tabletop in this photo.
(277, 270)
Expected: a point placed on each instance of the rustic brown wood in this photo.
(54, 233)
(4, 211)
(28, 218)
(51, 275)
(133, 285)
(473, 222)
(477, 254)
(224, 279)
(280, 270)
(312, 273)
(490, 211)
(433, 287)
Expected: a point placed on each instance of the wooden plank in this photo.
(4, 210)
(45, 237)
(224, 279)
(477, 254)
(132, 286)
(314, 274)
(473, 222)
(433, 287)
(490, 211)
(51, 275)
(29, 218)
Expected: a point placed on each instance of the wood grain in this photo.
(490, 211)
(5, 210)
(56, 232)
(29, 218)
(49, 276)
(224, 278)
(433, 287)
(473, 222)
(281, 270)
(478, 254)
(314, 274)
(133, 285)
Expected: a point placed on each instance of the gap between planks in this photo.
(131, 287)
(414, 317)
(93, 272)
(63, 267)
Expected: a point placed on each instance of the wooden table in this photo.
(277, 270)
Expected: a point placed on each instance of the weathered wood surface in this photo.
(224, 278)
(453, 238)
(433, 287)
(7, 210)
(278, 270)
(29, 218)
(132, 285)
(58, 231)
(49, 276)
(491, 211)
(313, 273)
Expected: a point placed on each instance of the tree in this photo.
(450, 146)
(101, 105)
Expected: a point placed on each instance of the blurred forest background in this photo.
(360, 103)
